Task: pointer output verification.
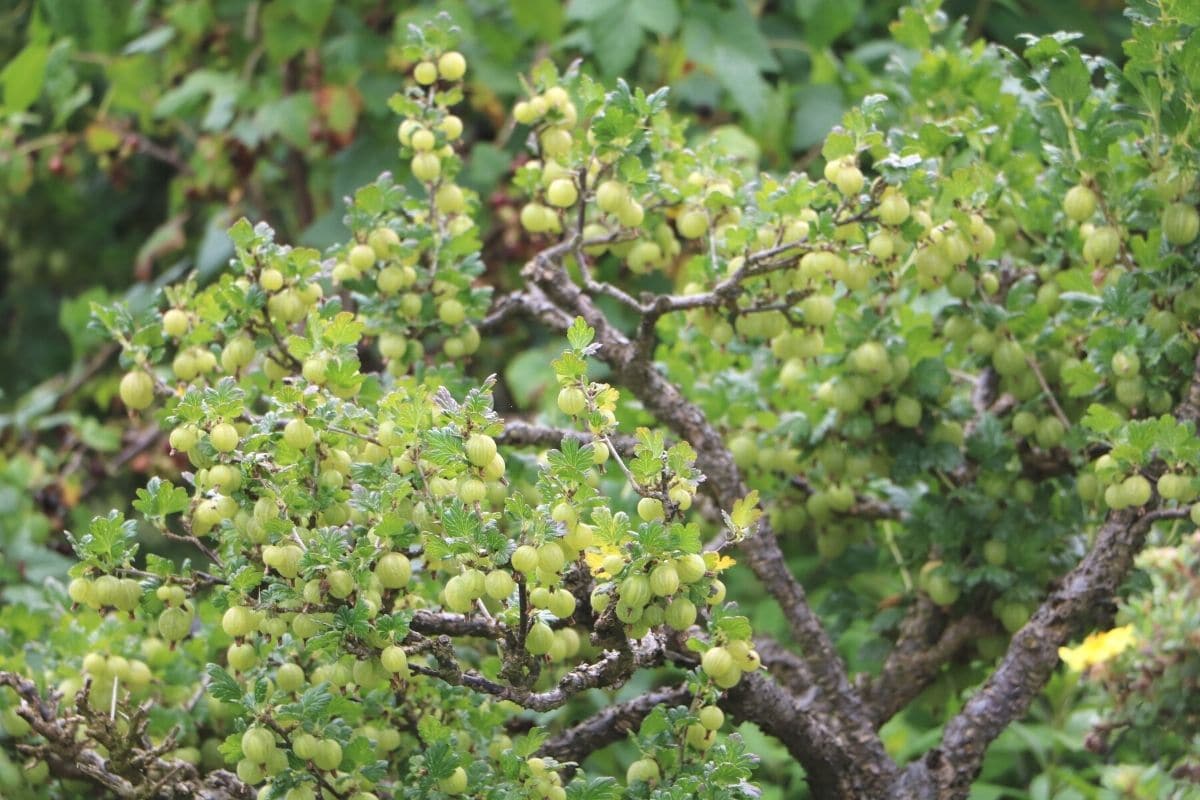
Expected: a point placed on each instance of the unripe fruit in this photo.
(692, 223)
(635, 591)
(664, 580)
(1102, 246)
(690, 568)
(394, 570)
(175, 322)
(572, 401)
(941, 590)
(644, 770)
(298, 434)
(341, 583)
(271, 280)
(699, 737)
(481, 449)
(540, 597)
(289, 677)
(555, 142)
(458, 595)
(540, 639)
(562, 193)
(550, 557)
(80, 590)
(258, 744)
(426, 167)
(717, 661)
(238, 621)
(361, 257)
(451, 126)
(1079, 203)
(893, 207)
(651, 509)
(304, 745)
(451, 312)
(849, 180)
(425, 73)
(174, 624)
(1126, 364)
(712, 717)
(184, 438)
(394, 659)
(1136, 490)
(1180, 224)
(471, 491)
(1050, 432)
(423, 140)
(525, 559)
(223, 437)
(452, 66)
(995, 552)
(494, 470)
(499, 584)
(327, 755)
(241, 657)
(680, 614)
(601, 599)
(455, 782)
(137, 390)
(611, 196)
(450, 199)
(250, 772)
(907, 411)
(562, 604)
(129, 594)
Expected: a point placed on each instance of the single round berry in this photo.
(1181, 224)
(223, 437)
(137, 390)
(452, 66)
(425, 73)
(562, 193)
(1079, 203)
(572, 401)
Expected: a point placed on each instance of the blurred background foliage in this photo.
(133, 132)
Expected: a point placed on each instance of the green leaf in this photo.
(1102, 419)
(735, 627)
(431, 729)
(818, 109)
(594, 788)
(660, 16)
(1070, 80)
(580, 334)
(344, 329)
(930, 378)
(222, 685)
(161, 498)
(542, 18)
(24, 76)
(746, 511)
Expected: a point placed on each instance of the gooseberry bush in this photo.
(962, 358)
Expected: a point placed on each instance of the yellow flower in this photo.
(1097, 648)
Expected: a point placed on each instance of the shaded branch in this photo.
(927, 641)
(610, 671)
(610, 724)
(143, 771)
(662, 398)
(521, 433)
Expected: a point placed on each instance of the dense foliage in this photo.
(936, 399)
